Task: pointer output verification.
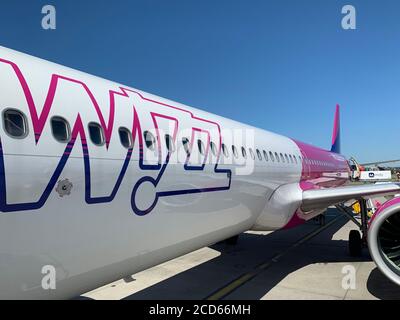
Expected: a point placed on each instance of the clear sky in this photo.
(281, 65)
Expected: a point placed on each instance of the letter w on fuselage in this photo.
(30, 168)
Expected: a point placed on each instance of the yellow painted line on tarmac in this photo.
(241, 280)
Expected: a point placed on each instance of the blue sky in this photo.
(281, 65)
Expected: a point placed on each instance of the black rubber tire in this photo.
(232, 241)
(355, 243)
(322, 220)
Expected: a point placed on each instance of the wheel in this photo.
(232, 241)
(355, 243)
(322, 219)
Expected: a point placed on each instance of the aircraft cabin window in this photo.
(149, 140)
(259, 155)
(271, 155)
(186, 145)
(125, 137)
(234, 151)
(213, 148)
(244, 153)
(265, 155)
(277, 157)
(295, 159)
(170, 143)
(60, 129)
(282, 158)
(225, 150)
(96, 134)
(200, 145)
(15, 123)
(287, 158)
(252, 153)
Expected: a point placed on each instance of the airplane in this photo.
(99, 181)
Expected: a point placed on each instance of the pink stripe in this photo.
(39, 121)
(386, 205)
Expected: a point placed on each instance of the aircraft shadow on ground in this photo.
(253, 249)
(381, 287)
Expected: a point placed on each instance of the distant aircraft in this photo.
(379, 162)
(99, 181)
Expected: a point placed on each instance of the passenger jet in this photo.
(99, 181)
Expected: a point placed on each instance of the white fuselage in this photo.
(128, 208)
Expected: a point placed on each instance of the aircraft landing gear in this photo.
(357, 239)
(355, 243)
(322, 219)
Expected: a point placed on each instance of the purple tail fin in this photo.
(336, 132)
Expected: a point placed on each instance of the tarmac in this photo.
(307, 262)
